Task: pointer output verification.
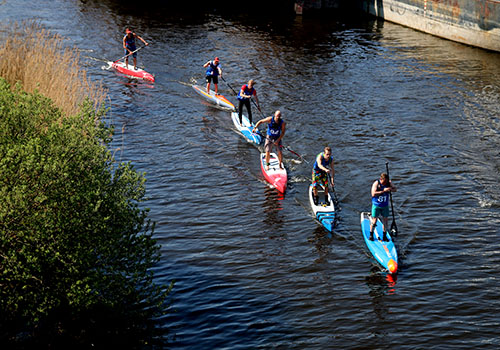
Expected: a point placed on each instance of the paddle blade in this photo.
(394, 229)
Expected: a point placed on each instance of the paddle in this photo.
(298, 155)
(229, 85)
(285, 147)
(129, 54)
(335, 198)
(394, 228)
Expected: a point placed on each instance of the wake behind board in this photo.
(131, 72)
(276, 176)
(246, 128)
(325, 213)
(218, 100)
(384, 252)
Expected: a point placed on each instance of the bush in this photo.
(75, 248)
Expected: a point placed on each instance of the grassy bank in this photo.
(34, 57)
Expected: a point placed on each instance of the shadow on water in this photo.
(99, 327)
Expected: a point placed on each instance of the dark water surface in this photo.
(254, 270)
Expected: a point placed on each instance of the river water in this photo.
(254, 269)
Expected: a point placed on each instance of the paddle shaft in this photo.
(285, 147)
(129, 54)
(333, 189)
(229, 85)
(394, 227)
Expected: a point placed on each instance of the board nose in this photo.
(392, 265)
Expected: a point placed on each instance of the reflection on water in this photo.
(380, 286)
(322, 241)
(272, 207)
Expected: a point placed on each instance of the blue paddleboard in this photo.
(384, 252)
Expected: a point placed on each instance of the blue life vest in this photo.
(383, 199)
(212, 69)
(246, 91)
(324, 162)
(274, 129)
(130, 42)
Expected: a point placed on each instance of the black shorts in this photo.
(213, 78)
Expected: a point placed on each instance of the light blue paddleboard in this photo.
(384, 252)
(246, 128)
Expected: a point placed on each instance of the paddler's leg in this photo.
(325, 186)
(280, 155)
(207, 78)
(216, 84)
(135, 63)
(267, 147)
(249, 111)
(240, 110)
(373, 222)
(315, 189)
(384, 225)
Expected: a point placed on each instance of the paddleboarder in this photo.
(212, 74)
(381, 190)
(323, 166)
(244, 96)
(129, 46)
(275, 131)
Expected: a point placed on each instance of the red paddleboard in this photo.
(276, 176)
(130, 71)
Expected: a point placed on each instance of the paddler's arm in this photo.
(141, 39)
(124, 44)
(283, 129)
(318, 161)
(206, 64)
(332, 174)
(242, 94)
(268, 119)
(256, 99)
(393, 188)
(374, 190)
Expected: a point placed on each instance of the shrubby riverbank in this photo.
(76, 247)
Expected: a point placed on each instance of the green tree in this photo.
(76, 249)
